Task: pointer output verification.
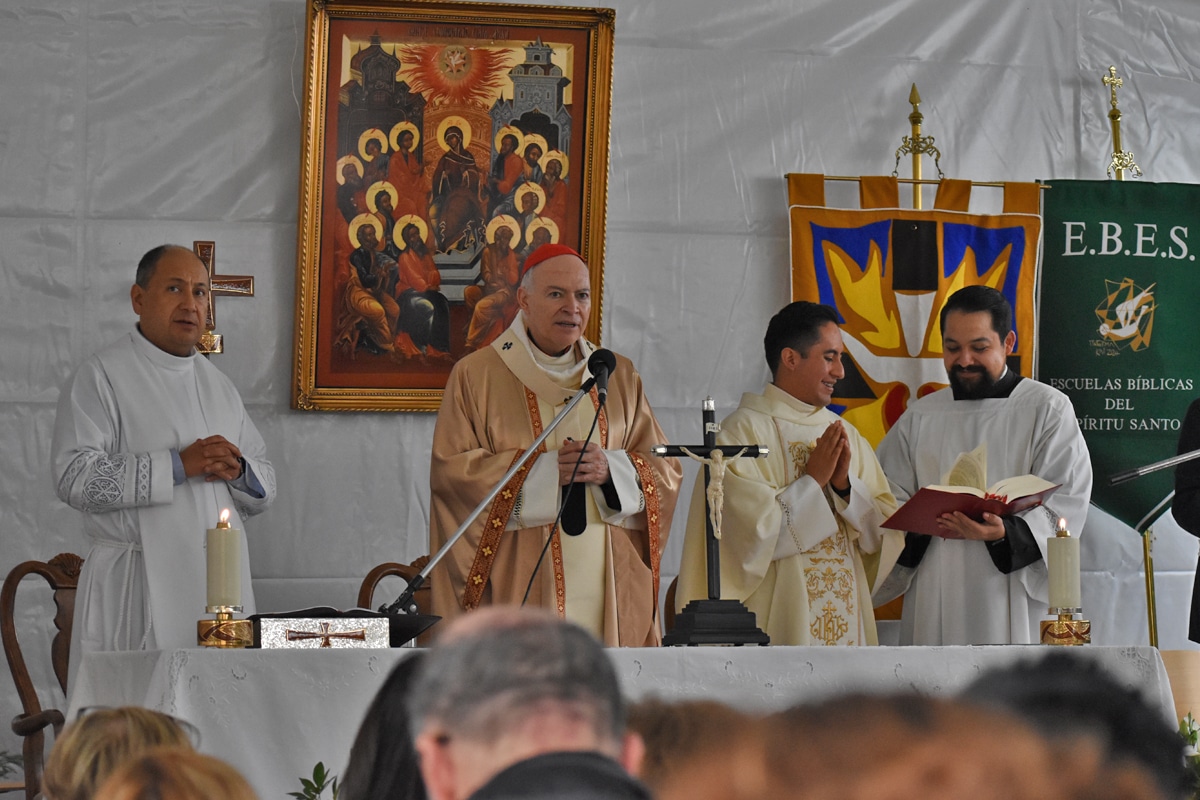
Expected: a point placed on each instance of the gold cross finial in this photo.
(1113, 83)
(1122, 160)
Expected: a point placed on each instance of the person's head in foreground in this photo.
(515, 701)
(99, 742)
(924, 748)
(174, 774)
(382, 760)
(678, 733)
(907, 747)
(1065, 697)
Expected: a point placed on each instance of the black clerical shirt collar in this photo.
(1002, 389)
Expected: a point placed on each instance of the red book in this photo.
(1007, 497)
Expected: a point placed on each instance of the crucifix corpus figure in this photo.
(713, 621)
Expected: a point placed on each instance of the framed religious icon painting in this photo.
(444, 142)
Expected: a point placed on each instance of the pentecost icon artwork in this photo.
(447, 137)
(427, 124)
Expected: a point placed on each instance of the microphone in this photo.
(601, 364)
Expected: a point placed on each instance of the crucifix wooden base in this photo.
(714, 620)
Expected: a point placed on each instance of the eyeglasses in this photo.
(189, 730)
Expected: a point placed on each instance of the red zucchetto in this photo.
(547, 251)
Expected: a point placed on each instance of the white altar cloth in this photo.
(274, 714)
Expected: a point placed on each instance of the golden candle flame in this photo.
(224, 523)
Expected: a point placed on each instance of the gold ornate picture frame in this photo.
(443, 141)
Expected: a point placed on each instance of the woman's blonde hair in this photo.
(175, 774)
(93, 746)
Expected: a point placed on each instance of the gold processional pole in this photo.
(1146, 527)
(917, 145)
(1121, 159)
(1151, 602)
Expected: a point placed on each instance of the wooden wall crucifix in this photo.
(243, 285)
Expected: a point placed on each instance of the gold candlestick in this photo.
(223, 559)
(1062, 561)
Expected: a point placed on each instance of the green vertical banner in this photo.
(1118, 329)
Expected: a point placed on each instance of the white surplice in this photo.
(957, 595)
(143, 583)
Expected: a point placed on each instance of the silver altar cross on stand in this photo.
(713, 620)
(242, 285)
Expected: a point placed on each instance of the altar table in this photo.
(274, 714)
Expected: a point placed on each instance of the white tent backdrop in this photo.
(127, 124)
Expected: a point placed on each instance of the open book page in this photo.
(1009, 496)
(1019, 486)
(1007, 490)
(969, 469)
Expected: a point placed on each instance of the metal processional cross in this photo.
(713, 620)
(240, 285)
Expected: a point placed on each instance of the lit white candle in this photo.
(1062, 560)
(224, 550)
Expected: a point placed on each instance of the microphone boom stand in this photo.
(1143, 529)
(1137, 472)
(405, 603)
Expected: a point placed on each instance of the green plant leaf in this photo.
(312, 789)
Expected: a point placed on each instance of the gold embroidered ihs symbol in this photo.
(829, 627)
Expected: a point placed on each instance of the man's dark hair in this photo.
(383, 762)
(1065, 695)
(971, 299)
(798, 326)
(149, 262)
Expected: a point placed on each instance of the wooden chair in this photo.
(366, 592)
(892, 609)
(62, 573)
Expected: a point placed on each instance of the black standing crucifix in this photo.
(714, 620)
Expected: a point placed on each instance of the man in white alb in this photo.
(984, 582)
(151, 443)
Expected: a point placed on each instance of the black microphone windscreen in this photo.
(602, 358)
(601, 364)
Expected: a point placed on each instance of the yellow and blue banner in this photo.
(889, 270)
